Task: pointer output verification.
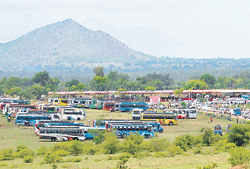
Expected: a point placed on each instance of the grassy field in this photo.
(12, 135)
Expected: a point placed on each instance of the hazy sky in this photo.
(174, 28)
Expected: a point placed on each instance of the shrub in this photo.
(197, 140)
(240, 134)
(160, 154)
(7, 154)
(42, 151)
(61, 153)
(142, 155)
(132, 143)
(209, 166)
(76, 147)
(159, 144)
(51, 158)
(184, 141)
(21, 153)
(198, 149)
(3, 165)
(175, 150)
(223, 146)
(28, 159)
(239, 155)
(111, 144)
(121, 163)
(76, 160)
(207, 137)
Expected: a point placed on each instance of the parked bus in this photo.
(125, 130)
(73, 114)
(48, 123)
(128, 106)
(61, 133)
(103, 124)
(31, 119)
(109, 106)
(185, 113)
(218, 129)
(136, 113)
(160, 117)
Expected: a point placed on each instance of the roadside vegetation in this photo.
(41, 83)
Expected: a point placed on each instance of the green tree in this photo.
(71, 83)
(195, 84)
(207, 137)
(99, 71)
(111, 144)
(76, 147)
(132, 143)
(42, 78)
(150, 88)
(37, 91)
(240, 134)
(14, 91)
(209, 79)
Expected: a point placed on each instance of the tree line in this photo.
(41, 83)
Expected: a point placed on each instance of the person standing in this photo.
(89, 121)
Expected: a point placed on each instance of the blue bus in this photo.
(218, 129)
(128, 106)
(237, 111)
(123, 130)
(103, 123)
(31, 119)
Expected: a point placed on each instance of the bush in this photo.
(209, 166)
(3, 165)
(159, 144)
(7, 154)
(223, 146)
(207, 137)
(184, 141)
(51, 158)
(28, 159)
(42, 151)
(198, 149)
(111, 144)
(76, 160)
(175, 150)
(61, 153)
(76, 147)
(21, 153)
(132, 143)
(239, 155)
(240, 134)
(142, 155)
(160, 154)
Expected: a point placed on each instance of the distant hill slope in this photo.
(66, 44)
(69, 50)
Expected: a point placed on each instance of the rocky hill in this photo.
(63, 45)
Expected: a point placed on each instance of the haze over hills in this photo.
(69, 50)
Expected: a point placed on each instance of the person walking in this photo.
(211, 119)
(89, 121)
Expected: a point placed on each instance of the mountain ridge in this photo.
(64, 43)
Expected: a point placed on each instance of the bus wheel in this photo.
(160, 131)
(78, 118)
(171, 123)
(146, 136)
(68, 118)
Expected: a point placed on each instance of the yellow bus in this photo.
(162, 118)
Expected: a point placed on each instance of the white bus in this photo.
(73, 113)
(136, 113)
(186, 113)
